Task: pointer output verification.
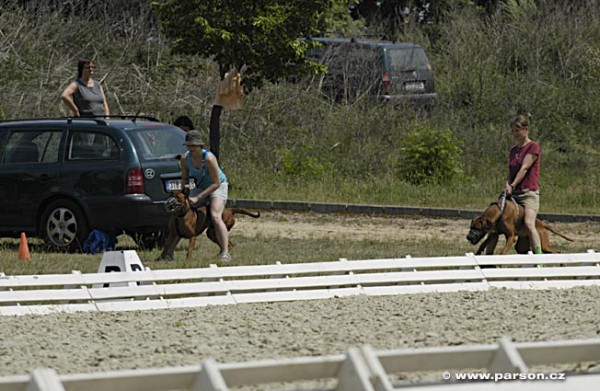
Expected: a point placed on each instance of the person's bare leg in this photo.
(217, 205)
(530, 217)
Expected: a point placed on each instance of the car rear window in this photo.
(407, 58)
(158, 143)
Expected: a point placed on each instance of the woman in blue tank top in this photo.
(211, 184)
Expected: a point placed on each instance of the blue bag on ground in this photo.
(99, 241)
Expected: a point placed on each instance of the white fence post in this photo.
(354, 373)
(44, 379)
(507, 358)
(209, 378)
(379, 378)
(362, 371)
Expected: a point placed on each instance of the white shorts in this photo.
(222, 192)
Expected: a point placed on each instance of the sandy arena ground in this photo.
(381, 228)
(88, 342)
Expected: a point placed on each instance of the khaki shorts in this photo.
(528, 198)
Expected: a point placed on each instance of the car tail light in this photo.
(385, 82)
(135, 181)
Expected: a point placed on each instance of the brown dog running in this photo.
(188, 222)
(509, 223)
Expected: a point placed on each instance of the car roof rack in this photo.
(69, 120)
(119, 116)
(98, 118)
(127, 116)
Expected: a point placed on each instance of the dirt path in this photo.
(314, 225)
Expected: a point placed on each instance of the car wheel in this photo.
(63, 226)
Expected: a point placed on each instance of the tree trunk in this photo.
(214, 131)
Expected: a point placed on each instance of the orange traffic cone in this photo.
(24, 248)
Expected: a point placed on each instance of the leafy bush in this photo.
(430, 155)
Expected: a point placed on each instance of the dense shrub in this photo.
(430, 155)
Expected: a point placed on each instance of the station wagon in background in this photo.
(394, 72)
(61, 178)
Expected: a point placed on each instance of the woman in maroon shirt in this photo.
(523, 176)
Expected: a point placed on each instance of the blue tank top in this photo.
(201, 175)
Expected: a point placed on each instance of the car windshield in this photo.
(407, 59)
(158, 143)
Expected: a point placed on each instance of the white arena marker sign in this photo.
(119, 261)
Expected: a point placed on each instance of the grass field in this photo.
(248, 251)
(300, 237)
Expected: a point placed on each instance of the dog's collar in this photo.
(185, 210)
(181, 215)
(188, 206)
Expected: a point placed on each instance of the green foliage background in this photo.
(260, 38)
(540, 57)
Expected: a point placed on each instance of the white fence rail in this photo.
(162, 289)
(360, 369)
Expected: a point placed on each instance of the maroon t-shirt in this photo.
(515, 160)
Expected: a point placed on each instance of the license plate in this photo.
(414, 86)
(175, 184)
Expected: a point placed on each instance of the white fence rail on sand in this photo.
(162, 289)
(360, 369)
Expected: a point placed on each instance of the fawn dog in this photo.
(188, 222)
(508, 221)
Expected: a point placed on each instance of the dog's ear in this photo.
(478, 222)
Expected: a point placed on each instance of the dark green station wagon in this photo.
(61, 178)
(393, 72)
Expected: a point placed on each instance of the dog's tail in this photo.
(245, 212)
(551, 229)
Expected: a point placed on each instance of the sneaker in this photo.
(225, 257)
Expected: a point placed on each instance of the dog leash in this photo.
(502, 204)
(502, 201)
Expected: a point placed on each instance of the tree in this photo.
(258, 37)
